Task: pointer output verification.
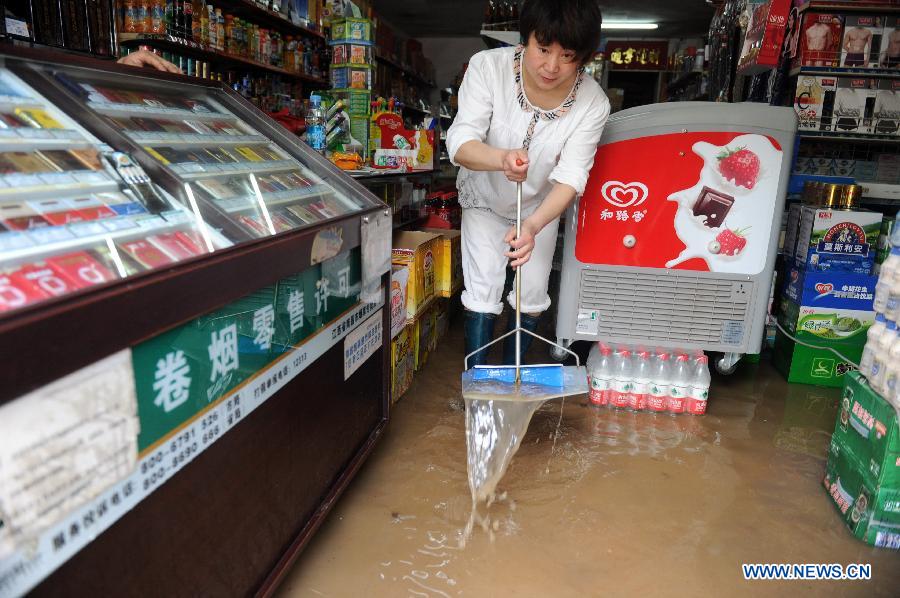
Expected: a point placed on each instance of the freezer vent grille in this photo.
(668, 308)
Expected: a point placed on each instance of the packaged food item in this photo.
(145, 253)
(38, 119)
(80, 269)
(20, 216)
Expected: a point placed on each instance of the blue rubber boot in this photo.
(509, 345)
(479, 332)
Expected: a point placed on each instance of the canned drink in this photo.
(850, 197)
(831, 195)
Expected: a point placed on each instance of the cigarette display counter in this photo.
(192, 333)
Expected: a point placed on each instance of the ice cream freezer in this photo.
(674, 241)
(195, 357)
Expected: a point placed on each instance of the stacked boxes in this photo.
(825, 309)
(416, 250)
(352, 61)
(448, 257)
(837, 240)
(403, 362)
(863, 473)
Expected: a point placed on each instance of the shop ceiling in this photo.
(462, 18)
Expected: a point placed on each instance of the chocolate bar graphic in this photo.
(713, 206)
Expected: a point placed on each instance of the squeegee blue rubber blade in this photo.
(545, 375)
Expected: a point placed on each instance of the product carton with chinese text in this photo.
(426, 335)
(819, 43)
(448, 271)
(403, 362)
(399, 292)
(814, 102)
(417, 251)
(867, 427)
(800, 364)
(838, 240)
(869, 508)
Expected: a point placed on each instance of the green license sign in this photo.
(183, 371)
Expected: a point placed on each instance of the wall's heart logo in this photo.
(624, 195)
(824, 287)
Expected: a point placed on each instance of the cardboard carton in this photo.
(871, 510)
(448, 272)
(814, 104)
(417, 251)
(819, 42)
(861, 46)
(867, 427)
(403, 362)
(803, 365)
(399, 294)
(838, 240)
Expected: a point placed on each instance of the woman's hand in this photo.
(515, 165)
(147, 58)
(524, 245)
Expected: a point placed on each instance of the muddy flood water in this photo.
(626, 503)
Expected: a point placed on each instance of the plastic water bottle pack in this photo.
(660, 380)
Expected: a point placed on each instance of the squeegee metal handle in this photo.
(518, 283)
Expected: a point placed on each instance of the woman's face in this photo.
(551, 66)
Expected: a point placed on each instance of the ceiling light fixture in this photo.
(627, 25)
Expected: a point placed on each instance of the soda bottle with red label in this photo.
(681, 384)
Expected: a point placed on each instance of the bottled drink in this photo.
(601, 374)
(892, 372)
(872, 336)
(622, 379)
(637, 400)
(197, 11)
(220, 30)
(158, 16)
(879, 361)
(660, 383)
(315, 125)
(188, 24)
(212, 27)
(681, 384)
(700, 380)
(130, 16)
(889, 271)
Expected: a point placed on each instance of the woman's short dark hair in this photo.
(573, 24)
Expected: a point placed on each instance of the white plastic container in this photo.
(892, 373)
(872, 336)
(882, 354)
(886, 279)
(660, 383)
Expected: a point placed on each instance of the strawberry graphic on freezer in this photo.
(677, 227)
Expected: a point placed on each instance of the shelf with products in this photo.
(683, 79)
(828, 71)
(265, 16)
(405, 70)
(217, 58)
(849, 6)
(374, 174)
(832, 136)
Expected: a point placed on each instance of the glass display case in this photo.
(74, 213)
(162, 232)
(217, 149)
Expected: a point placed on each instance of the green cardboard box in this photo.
(870, 510)
(804, 365)
(867, 426)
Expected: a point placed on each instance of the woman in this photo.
(526, 114)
